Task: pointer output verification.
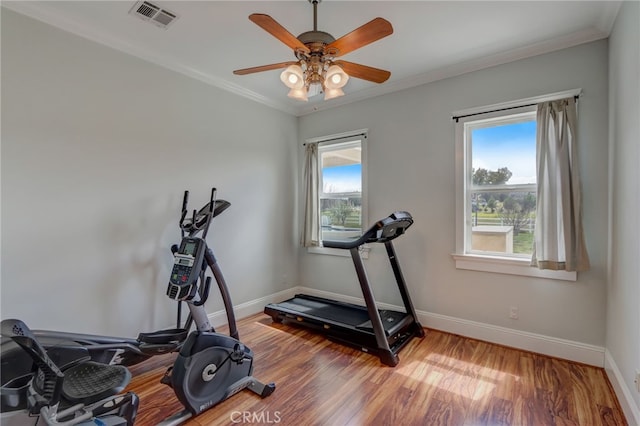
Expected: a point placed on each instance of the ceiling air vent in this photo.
(151, 13)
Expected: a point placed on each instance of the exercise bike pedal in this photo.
(166, 379)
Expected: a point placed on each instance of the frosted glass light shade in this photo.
(335, 78)
(293, 77)
(332, 93)
(299, 94)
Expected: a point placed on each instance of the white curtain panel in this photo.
(558, 239)
(310, 236)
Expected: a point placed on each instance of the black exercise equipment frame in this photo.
(68, 347)
(383, 339)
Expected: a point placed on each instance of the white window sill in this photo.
(364, 251)
(508, 265)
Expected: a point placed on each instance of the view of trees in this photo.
(341, 212)
(488, 177)
(515, 209)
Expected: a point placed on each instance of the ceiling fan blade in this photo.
(270, 25)
(261, 68)
(368, 33)
(364, 72)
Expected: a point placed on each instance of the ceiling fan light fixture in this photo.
(314, 71)
(293, 77)
(335, 78)
(332, 93)
(298, 94)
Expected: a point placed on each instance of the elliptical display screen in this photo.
(190, 248)
(187, 265)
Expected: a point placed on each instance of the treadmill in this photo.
(380, 332)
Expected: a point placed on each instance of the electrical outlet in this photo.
(637, 380)
(513, 312)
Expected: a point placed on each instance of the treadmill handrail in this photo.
(382, 231)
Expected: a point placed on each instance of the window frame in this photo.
(483, 121)
(337, 140)
(465, 259)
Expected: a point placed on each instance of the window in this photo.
(500, 178)
(496, 188)
(340, 190)
(341, 187)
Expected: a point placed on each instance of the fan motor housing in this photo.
(316, 37)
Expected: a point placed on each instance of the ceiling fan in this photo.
(317, 69)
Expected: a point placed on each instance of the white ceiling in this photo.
(431, 39)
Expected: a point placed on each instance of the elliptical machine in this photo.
(125, 351)
(66, 348)
(210, 367)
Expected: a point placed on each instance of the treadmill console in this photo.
(391, 227)
(382, 231)
(187, 265)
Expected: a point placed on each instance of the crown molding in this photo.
(41, 12)
(548, 46)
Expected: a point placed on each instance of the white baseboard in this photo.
(627, 403)
(538, 343)
(532, 342)
(552, 346)
(219, 318)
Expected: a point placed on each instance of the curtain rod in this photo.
(458, 117)
(337, 139)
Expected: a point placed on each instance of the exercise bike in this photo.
(82, 393)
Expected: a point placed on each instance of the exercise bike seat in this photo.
(91, 382)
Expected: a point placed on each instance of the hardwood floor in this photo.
(442, 379)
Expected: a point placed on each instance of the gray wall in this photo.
(411, 167)
(623, 295)
(97, 149)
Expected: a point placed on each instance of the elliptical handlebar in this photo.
(185, 200)
(201, 219)
(212, 202)
(204, 293)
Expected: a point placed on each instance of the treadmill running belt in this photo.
(337, 313)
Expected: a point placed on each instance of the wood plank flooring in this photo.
(442, 379)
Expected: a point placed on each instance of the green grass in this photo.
(523, 243)
(353, 220)
(487, 215)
